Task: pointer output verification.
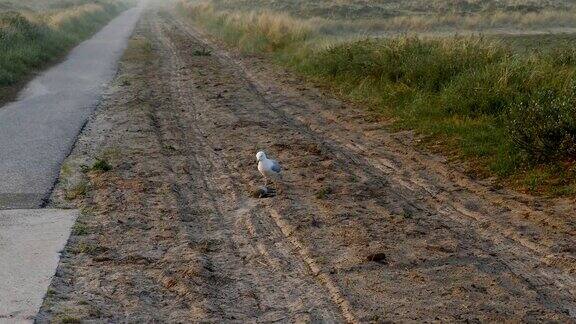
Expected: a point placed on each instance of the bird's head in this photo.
(260, 156)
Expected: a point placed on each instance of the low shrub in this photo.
(544, 125)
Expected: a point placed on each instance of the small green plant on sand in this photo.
(67, 319)
(101, 165)
(80, 229)
(202, 52)
(78, 190)
(323, 192)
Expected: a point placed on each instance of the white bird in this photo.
(270, 169)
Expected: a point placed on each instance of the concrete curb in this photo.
(30, 245)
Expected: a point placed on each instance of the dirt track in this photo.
(366, 228)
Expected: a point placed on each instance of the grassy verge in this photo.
(31, 39)
(503, 112)
(422, 15)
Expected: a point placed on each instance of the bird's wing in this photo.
(276, 166)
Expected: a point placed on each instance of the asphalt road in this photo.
(39, 129)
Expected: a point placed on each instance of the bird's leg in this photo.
(266, 182)
(271, 190)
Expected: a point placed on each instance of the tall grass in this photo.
(28, 40)
(253, 31)
(479, 21)
(507, 113)
(421, 15)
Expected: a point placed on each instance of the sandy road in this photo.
(366, 228)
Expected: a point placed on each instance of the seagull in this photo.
(267, 167)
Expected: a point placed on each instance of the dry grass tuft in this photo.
(254, 30)
(59, 18)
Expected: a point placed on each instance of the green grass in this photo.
(101, 165)
(506, 113)
(503, 111)
(30, 40)
(537, 43)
